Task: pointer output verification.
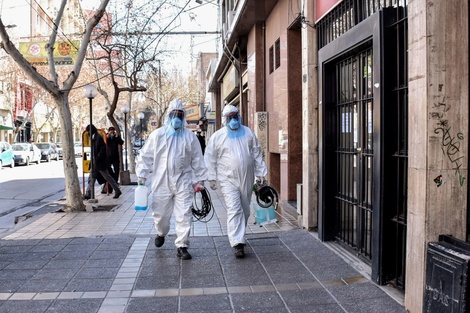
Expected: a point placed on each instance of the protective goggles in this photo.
(231, 116)
(176, 113)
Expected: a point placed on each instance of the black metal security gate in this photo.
(355, 152)
(363, 151)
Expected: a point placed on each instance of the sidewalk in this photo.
(105, 261)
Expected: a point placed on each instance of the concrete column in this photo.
(438, 132)
(310, 120)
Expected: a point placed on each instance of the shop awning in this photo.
(2, 127)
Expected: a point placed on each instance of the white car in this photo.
(77, 147)
(26, 153)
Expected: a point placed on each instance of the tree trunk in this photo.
(74, 200)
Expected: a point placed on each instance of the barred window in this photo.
(277, 46)
(271, 60)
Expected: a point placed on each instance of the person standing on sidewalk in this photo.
(202, 141)
(233, 158)
(172, 159)
(100, 164)
(113, 141)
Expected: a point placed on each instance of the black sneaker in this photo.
(159, 241)
(183, 253)
(87, 196)
(240, 250)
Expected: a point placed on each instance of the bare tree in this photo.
(126, 48)
(60, 94)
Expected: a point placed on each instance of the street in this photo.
(25, 188)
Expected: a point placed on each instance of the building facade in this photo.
(364, 107)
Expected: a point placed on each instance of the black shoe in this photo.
(159, 241)
(184, 254)
(117, 194)
(240, 250)
(103, 192)
(86, 196)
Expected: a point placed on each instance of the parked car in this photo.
(59, 150)
(78, 149)
(6, 155)
(48, 151)
(26, 153)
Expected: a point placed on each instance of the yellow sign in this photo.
(192, 112)
(65, 52)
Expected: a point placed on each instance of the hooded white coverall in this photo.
(234, 158)
(172, 160)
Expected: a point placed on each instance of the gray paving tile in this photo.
(157, 282)
(10, 257)
(52, 273)
(109, 254)
(149, 305)
(26, 265)
(100, 263)
(202, 280)
(65, 264)
(74, 255)
(10, 285)
(83, 284)
(319, 308)
(254, 301)
(48, 248)
(331, 272)
(39, 306)
(309, 297)
(7, 274)
(75, 305)
(44, 285)
(382, 304)
(155, 271)
(33, 256)
(358, 292)
(202, 303)
(107, 272)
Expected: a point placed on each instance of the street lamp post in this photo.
(141, 116)
(90, 92)
(125, 110)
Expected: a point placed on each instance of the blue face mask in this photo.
(234, 124)
(176, 123)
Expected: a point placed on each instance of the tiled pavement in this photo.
(106, 262)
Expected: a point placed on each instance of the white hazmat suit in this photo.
(233, 157)
(172, 159)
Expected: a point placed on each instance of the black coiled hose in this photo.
(206, 209)
(266, 195)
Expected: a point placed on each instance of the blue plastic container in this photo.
(264, 215)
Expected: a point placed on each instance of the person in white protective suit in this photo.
(233, 157)
(172, 160)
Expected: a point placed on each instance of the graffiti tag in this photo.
(451, 147)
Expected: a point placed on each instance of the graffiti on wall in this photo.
(450, 140)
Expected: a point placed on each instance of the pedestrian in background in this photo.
(233, 158)
(113, 141)
(202, 141)
(100, 163)
(171, 159)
